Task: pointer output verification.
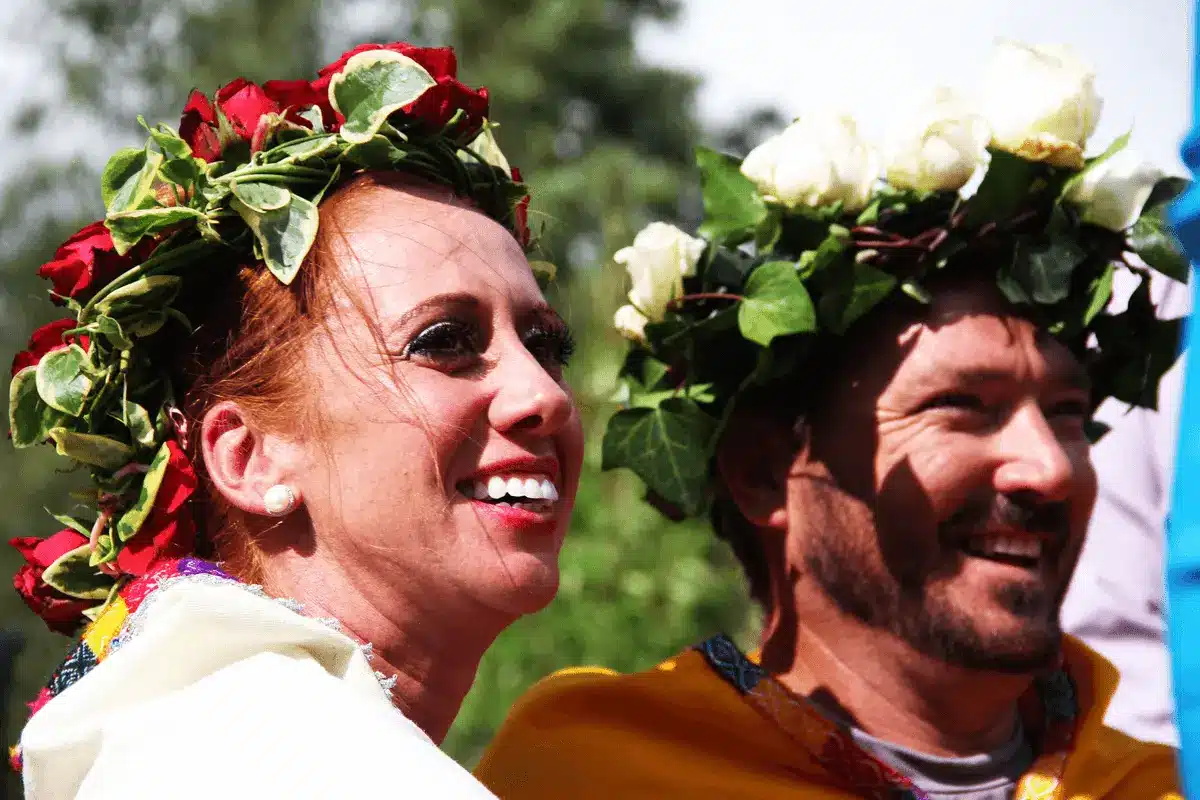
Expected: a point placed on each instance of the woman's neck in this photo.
(431, 649)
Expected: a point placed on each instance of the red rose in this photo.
(86, 262)
(521, 214)
(45, 339)
(437, 106)
(294, 96)
(439, 62)
(170, 530)
(197, 127)
(243, 103)
(62, 613)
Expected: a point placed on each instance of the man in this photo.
(897, 389)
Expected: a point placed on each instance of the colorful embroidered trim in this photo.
(1050, 709)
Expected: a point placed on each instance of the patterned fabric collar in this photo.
(1050, 711)
(122, 620)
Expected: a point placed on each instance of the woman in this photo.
(332, 455)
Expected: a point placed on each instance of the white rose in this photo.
(939, 147)
(1112, 193)
(816, 161)
(485, 146)
(1041, 102)
(631, 323)
(659, 259)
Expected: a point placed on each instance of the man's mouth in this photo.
(536, 493)
(1006, 548)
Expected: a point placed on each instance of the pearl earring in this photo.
(279, 500)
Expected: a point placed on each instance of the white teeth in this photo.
(537, 491)
(1019, 547)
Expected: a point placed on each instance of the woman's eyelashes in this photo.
(551, 343)
(455, 344)
(448, 343)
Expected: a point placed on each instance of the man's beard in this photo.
(899, 599)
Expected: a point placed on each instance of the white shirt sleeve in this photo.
(223, 694)
(1116, 599)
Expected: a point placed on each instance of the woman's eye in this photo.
(551, 346)
(445, 341)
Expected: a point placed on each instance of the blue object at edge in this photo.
(1183, 521)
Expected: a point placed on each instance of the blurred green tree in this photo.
(605, 140)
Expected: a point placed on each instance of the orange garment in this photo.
(681, 730)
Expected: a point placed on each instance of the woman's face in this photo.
(446, 457)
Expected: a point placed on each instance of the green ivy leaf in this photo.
(698, 393)
(137, 420)
(131, 521)
(150, 292)
(1045, 270)
(301, 150)
(128, 180)
(841, 309)
(261, 197)
(128, 227)
(73, 574)
(1101, 292)
(29, 418)
(1164, 191)
(72, 523)
(284, 235)
(1005, 186)
(776, 304)
(145, 324)
(1154, 242)
(371, 87)
(170, 143)
(89, 448)
(64, 379)
(111, 330)
(667, 447)
(733, 209)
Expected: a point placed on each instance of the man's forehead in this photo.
(977, 341)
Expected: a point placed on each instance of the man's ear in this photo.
(754, 460)
(242, 460)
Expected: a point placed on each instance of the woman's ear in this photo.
(242, 461)
(754, 460)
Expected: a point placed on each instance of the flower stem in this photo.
(675, 304)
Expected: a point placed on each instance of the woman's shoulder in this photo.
(194, 683)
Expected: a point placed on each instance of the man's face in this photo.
(946, 490)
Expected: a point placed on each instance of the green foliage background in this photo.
(607, 144)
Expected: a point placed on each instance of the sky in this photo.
(869, 57)
(873, 58)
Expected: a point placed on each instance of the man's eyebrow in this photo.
(1071, 375)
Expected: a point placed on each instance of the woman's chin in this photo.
(530, 583)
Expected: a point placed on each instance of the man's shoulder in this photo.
(599, 733)
(579, 695)
(1121, 766)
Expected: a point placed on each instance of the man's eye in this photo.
(445, 341)
(1071, 408)
(963, 402)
